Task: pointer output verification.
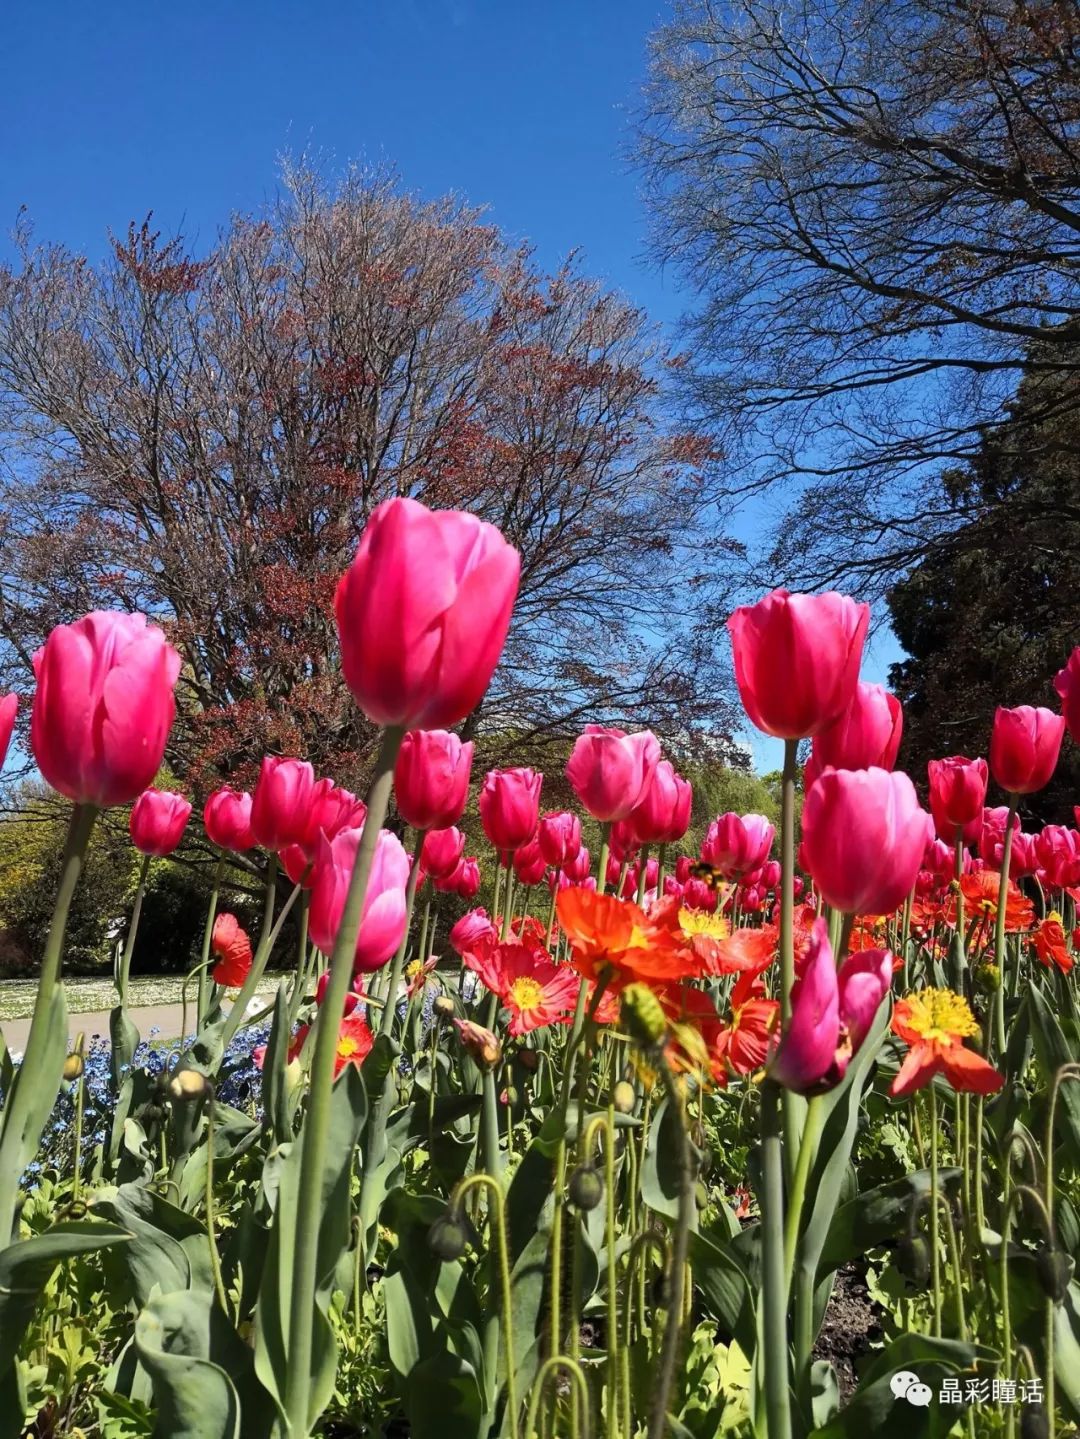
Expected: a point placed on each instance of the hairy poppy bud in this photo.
(448, 1237)
(188, 1085)
(444, 1007)
(643, 1016)
(623, 1097)
(73, 1067)
(1054, 1268)
(586, 1188)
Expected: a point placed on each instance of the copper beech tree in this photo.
(203, 436)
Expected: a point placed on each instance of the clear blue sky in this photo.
(110, 110)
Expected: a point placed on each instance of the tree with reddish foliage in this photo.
(203, 438)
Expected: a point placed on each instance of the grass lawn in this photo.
(87, 996)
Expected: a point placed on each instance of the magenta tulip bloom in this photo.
(529, 863)
(157, 821)
(797, 660)
(471, 931)
(468, 877)
(1023, 858)
(610, 771)
(510, 807)
(442, 852)
(383, 924)
(663, 814)
(864, 835)
(281, 803)
(770, 874)
(864, 980)
(329, 812)
(957, 791)
(866, 736)
(992, 836)
(578, 869)
(1024, 747)
(559, 837)
(9, 706)
(104, 707)
(227, 819)
(423, 612)
(737, 844)
(1057, 850)
(431, 778)
(1067, 684)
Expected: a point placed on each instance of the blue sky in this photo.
(115, 109)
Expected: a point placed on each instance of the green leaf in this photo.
(725, 1286)
(124, 1040)
(168, 1249)
(347, 1113)
(194, 1397)
(1053, 1051)
(444, 1399)
(879, 1215)
(662, 1162)
(278, 1109)
(30, 1099)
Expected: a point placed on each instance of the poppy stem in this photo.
(397, 965)
(208, 931)
(133, 929)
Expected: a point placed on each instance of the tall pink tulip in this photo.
(957, 792)
(423, 612)
(227, 819)
(737, 843)
(510, 807)
(385, 915)
(9, 706)
(431, 778)
(1024, 747)
(866, 736)
(104, 706)
(577, 870)
(281, 802)
(797, 660)
(992, 837)
(529, 863)
(442, 852)
(467, 877)
(331, 809)
(157, 821)
(1057, 850)
(610, 771)
(559, 837)
(864, 835)
(1067, 684)
(662, 816)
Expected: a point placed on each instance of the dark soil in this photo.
(852, 1324)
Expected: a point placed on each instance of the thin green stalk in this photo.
(238, 1013)
(999, 929)
(208, 930)
(314, 1135)
(397, 965)
(789, 1100)
(303, 960)
(80, 1102)
(501, 1268)
(775, 1350)
(215, 1258)
(133, 929)
(935, 1258)
(37, 1075)
(815, 1118)
(643, 865)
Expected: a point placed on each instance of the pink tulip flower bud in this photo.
(330, 811)
(431, 778)
(9, 706)
(227, 820)
(529, 863)
(442, 852)
(610, 771)
(510, 807)
(662, 816)
(157, 821)
(867, 735)
(957, 793)
(1067, 684)
(468, 877)
(282, 801)
(559, 837)
(1024, 747)
(737, 843)
(382, 926)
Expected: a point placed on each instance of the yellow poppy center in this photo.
(347, 1047)
(699, 921)
(527, 993)
(940, 1014)
(413, 968)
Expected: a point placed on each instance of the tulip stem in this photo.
(133, 929)
(208, 932)
(775, 1347)
(397, 965)
(999, 929)
(789, 1099)
(815, 1118)
(37, 1076)
(314, 1135)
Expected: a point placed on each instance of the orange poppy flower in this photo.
(935, 1023)
(980, 891)
(615, 942)
(233, 948)
(1050, 944)
(536, 991)
(742, 1045)
(745, 951)
(354, 1043)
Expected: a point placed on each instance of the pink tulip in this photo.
(384, 917)
(423, 612)
(352, 999)
(281, 803)
(330, 811)
(614, 871)
(1057, 850)
(468, 877)
(1067, 684)
(797, 660)
(697, 895)
(770, 874)
(474, 929)
(866, 736)
(529, 863)
(8, 708)
(864, 835)
(510, 807)
(431, 778)
(751, 900)
(864, 980)
(104, 707)
(1023, 859)
(682, 868)
(1024, 747)
(662, 816)
(622, 841)
(559, 837)
(578, 869)
(442, 852)
(736, 844)
(227, 819)
(940, 858)
(298, 865)
(157, 821)
(672, 887)
(992, 835)
(957, 792)
(610, 771)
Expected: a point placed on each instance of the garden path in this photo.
(165, 1017)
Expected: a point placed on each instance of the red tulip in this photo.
(957, 792)
(529, 863)
(8, 708)
(442, 852)
(157, 821)
(227, 819)
(992, 836)
(104, 707)
(431, 778)
(281, 802)
(610, 771)
(662, 816)
(468, 877)
(770, 874)
(797, 660)
(330, 811)
(559, 837)
(1024, 747)
(864, 835)
(1067, 684)
(382, 927)
(510, 807)
(866, 736)
(298, 865)
(423, 612)
(736, 844)
(1058, 852)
